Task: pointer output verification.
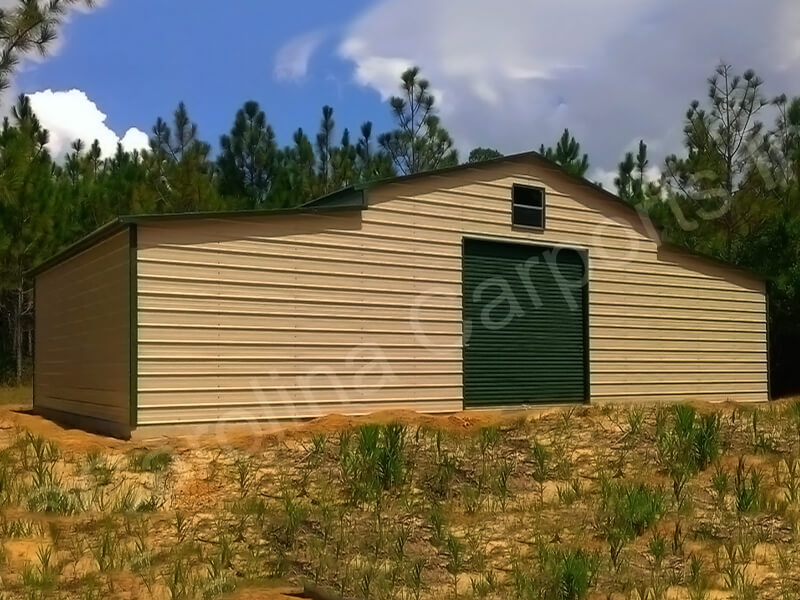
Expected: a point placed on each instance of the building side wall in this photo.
(304, 315)
(82, 349)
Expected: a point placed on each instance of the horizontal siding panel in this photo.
(225, 301)
(660, 355)
(289, 337)
(319, 307)
(390, 281)
(666, 276)
(156, 369)
(666, 346)
(316, 293)
(673, 398)
(100, 401)
(264, 394)
(239, 263)
(82, 317)
(655, 323)
(455, 225)
(679, 389)
(278, 250)
(114, 413)
(618, 308)
(668, 377)
(467, 206)
(289, 411)
(681, 292)
(655, 300)
(312, 379)
(283, 323)
(668, 335)
(674, 367)
(290, 351)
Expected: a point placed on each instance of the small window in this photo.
(527, 206)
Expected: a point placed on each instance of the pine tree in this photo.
(297, 180)
(29, 26)
(419, 143)
(371, 165)
(631, 180)
(181, 171)
(324, 146)
(567, 153)
(248, 159)
(717, 183)
(483, 154)
(27, 219)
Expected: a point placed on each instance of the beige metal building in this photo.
(496, 284)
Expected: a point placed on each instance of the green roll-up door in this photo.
(524, 324)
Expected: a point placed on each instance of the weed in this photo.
(415, 580)
(747, 489)
(696, 579)
(568, 494)
(376, 463)
(245, 472)
(761, 440)
(720, 483)
(635, 419)
(559, 574)
(438, 523)
(39, 581)
(150, 462)
(53, 499)
(454, 551)
(787, 476)
(99, 469)
(626, 511)
(484, 584)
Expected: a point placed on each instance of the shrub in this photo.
(559, 574)
(631, 508)
(376, 462)
(53, 499)
(626, 511)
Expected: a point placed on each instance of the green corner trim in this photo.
(133, 332)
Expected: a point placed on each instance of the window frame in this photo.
(515, 205)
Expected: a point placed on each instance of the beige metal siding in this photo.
(297, 316)
(82, 364)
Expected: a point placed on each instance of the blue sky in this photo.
(510, 74)
(136, 59)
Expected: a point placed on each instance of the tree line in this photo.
(732, 193)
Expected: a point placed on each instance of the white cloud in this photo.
(292, 60)
(515, 73)
(72, 115)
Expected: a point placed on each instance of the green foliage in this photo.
(52, 498)
(376, 462)
(419, 143)
(558, 574)
(248, 160)
(630, 508)
(567, 153)
(483, 154)
(626, 510)
(748, 491)
(689, 445)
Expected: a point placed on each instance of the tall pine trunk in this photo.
(18, 332)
